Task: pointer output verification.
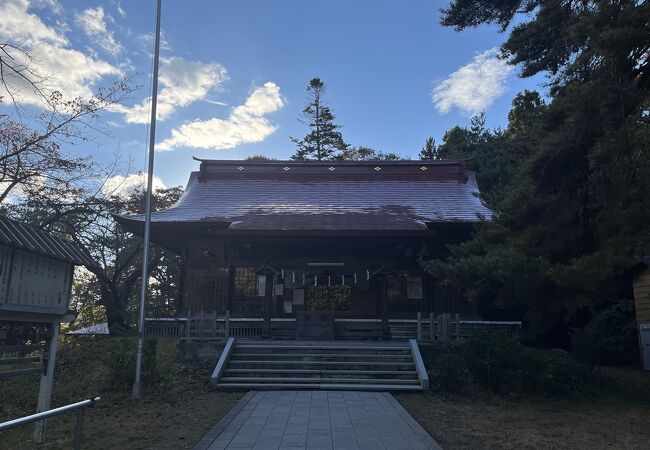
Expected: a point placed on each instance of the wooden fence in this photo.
(206, 326)
(19, 360)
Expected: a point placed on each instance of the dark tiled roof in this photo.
(326, 196)
(26, 237)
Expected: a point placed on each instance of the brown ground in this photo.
(174, 414)
(614, 417)
(180, 407)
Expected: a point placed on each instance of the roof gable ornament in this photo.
(423, 168)
(331, 168)
(377, 168)
(286, 168)
(240, 168)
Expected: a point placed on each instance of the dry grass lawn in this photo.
(616, 416)
(174, 414)
(180, 407)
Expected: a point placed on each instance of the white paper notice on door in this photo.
(261, 285)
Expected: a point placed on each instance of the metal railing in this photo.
(79, 407)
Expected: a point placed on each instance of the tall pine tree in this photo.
(571, 222)
(430, 150)
(323, 141)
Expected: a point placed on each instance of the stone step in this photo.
(333, 386)
(313, 347)
(322, 363)
(326, 372)
(244, 379)
(240, 355)
(318, 365)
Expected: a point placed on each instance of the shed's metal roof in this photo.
(261, 196)
(29, 238)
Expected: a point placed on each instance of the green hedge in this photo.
(610, 338)
(120, 360)
(493, 362)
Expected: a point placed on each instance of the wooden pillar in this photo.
(188, 325)
(231, 286)
(419, 322)
(383, 308)
(226, 325)
(47, 378)
(443, 327)
(201, 323)
(268, 296)
(180, 295)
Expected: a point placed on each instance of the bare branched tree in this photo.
(44, 184)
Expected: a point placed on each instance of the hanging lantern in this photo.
(342, 280)
(367, 274)
(315, 280)
(355, 278)
(329, 281)
(282, 273)
(293, 277)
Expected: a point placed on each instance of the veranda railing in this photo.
(431, 328)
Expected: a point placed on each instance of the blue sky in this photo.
(233, 73)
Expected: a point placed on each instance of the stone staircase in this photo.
(340, 365)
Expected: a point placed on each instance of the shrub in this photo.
(499, 364)
(610, 337)
(452, 375)
(120, 360)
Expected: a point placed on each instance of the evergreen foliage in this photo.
(362, 153)
(497, 363)
(569, 180)
(430, 150)
(323, 141)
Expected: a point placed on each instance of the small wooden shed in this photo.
(36, 271)
(642, 306)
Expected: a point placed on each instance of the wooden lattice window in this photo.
(329, 298)
(207, 289)
(246, 295)
(404, 294)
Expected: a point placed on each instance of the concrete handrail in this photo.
(419, 364)
(223, 360)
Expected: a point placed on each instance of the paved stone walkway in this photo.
(320, 420)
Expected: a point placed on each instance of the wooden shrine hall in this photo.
(344, 239)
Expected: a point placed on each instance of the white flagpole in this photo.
(137, 385)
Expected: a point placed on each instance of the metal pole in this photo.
(137, 386)
(78, 429)
(49, 413)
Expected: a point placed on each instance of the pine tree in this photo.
(323, 141)
(430, 150)
(363, 153)
(575, 213)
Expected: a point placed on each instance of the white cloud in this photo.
(182, 82)
(123, 186)
(245, 124)
(52, 5)
(67, 70)
(25, 28)
(147, 41)
(474, 86)
(120, 10)
(93, 24)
